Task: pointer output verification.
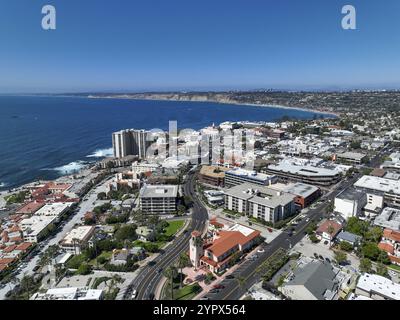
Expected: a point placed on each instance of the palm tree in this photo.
(240, 281)
(171, 273)
(183, 261)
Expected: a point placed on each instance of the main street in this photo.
(150, 277)
(248, 270)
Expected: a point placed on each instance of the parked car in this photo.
(230, 276)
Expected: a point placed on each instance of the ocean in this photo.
(46, 137)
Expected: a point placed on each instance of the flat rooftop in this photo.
(379, 284)
(79, 233)
(249, 174)
(301, 189)
(53, 209)
(159, 191)
(389, 218)
(303, 170)
(350, 194)
(379, 184)
(213, 171)
(352, 155)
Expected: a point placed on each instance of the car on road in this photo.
(134, 293)
(159, 270)
(218, 286)
(230, 276)
(152, 296)
(205, 298)
(261, 250)
(214, 291)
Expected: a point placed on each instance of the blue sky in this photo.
(132, 45)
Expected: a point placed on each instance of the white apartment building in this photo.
(386, 188)
(131, 142)
(158, 199)
(377, 287)
(350, 202)
(260, 202)
(34, 228)
(77, 239)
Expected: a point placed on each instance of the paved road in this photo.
(149, 278)
(84, 207)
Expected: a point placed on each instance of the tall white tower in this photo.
(196, 249)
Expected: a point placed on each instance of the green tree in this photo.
(127, 232)
(340, 257)
(170, 273)
(381, 269)
(183, 262)
(84, 269)
(357, 226)
(345, 246)
(365, 265)
(374, 234)
(370, 250)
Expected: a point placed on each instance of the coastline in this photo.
(127, 97)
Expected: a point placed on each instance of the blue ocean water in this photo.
(45, 137)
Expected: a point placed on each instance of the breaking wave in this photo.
(101, 153)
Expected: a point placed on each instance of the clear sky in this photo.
(135, 45)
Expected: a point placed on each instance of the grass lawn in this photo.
(174, 227)
(395, 267)
(187, 292)
(105, 254)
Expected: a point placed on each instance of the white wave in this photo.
(2, 184)
(70, 168)
(101, 153)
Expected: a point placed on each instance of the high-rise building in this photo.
(130, 142)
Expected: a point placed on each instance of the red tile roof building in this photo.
(218, 251)
(390, 243)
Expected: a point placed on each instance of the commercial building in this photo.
(260, 202)
(305, 194)
(352, 157)
(77, 239)
(69, 294)
(386, 188)
(158, 199)
(35, 228)
(131, 142)
(389, 218)
(215, 254)
(239, 176)
(305, 173)
(350, 202)
(390, 243)
(213, 175)
(56, 209)
(377, 287)
(316, 280)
